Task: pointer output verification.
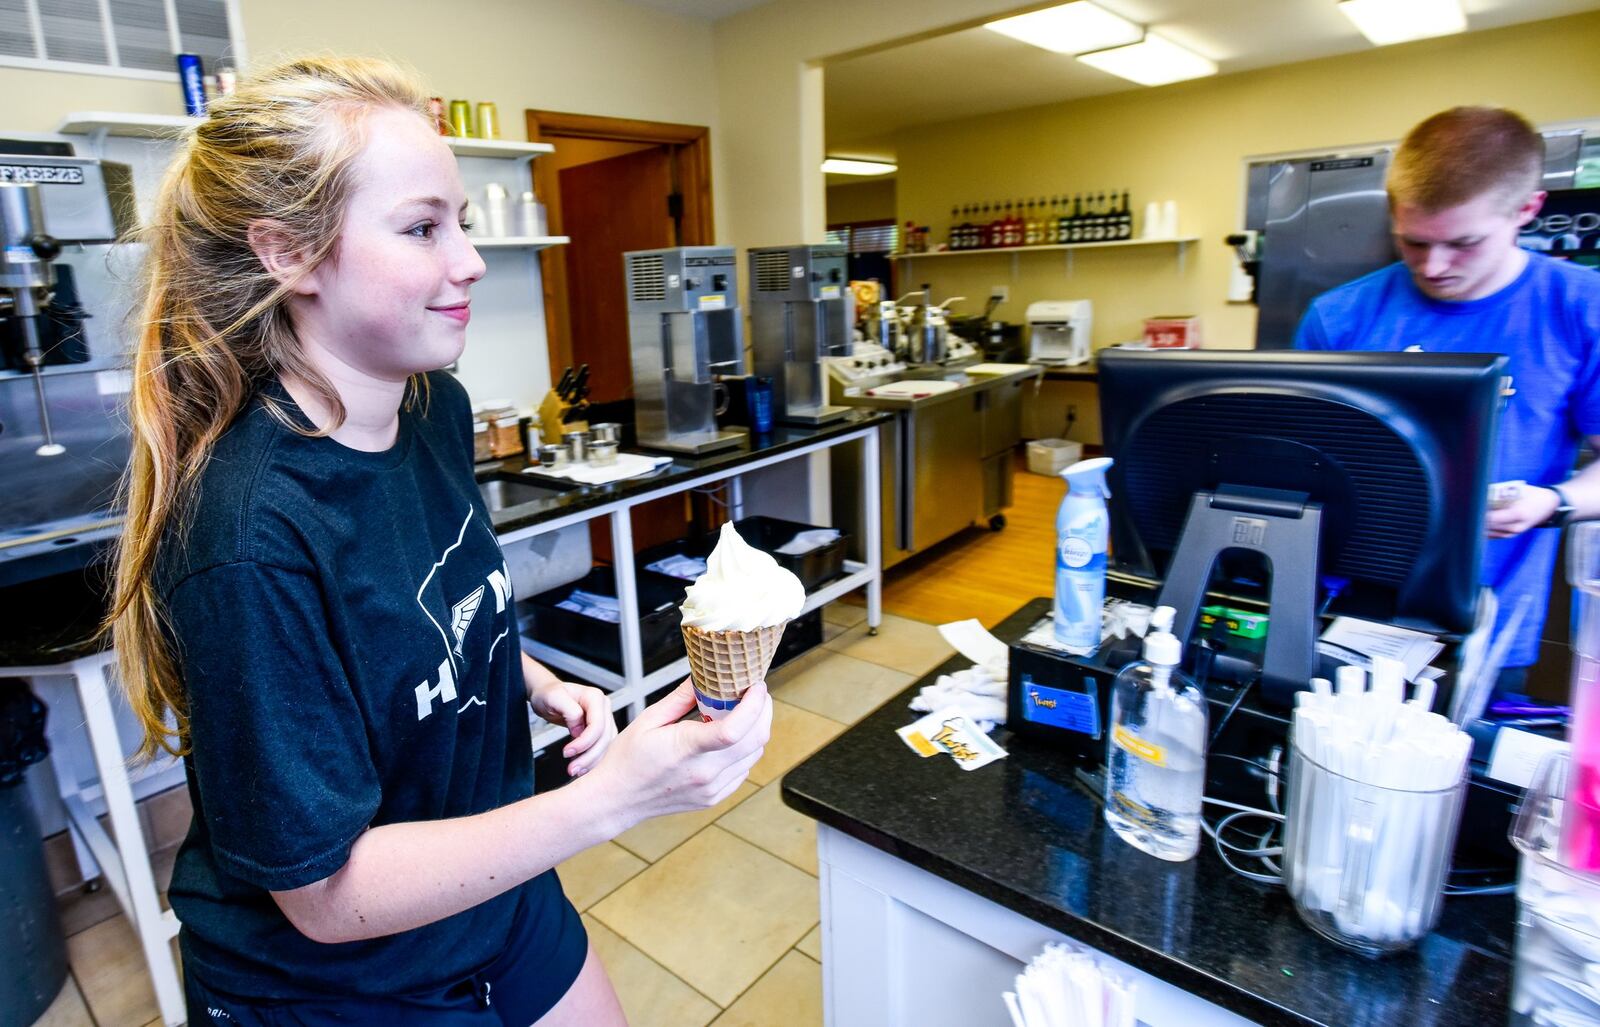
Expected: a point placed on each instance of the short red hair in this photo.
(1463, 153)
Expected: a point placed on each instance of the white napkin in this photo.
(806, 541)
(628, 465)
(979, 692)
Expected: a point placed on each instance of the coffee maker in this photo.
(683, 330)
(1058, 332)
(801, 315)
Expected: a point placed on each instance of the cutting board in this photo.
(912, 389)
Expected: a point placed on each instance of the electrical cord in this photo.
(1216, 732)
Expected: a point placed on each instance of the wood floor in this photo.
(981, 573)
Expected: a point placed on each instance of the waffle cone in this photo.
(724, 664)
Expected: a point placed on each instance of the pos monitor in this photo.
(1312, 475)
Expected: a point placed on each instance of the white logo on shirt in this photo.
(462, 613)
(443, 686)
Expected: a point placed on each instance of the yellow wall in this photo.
(863, 201)
(1188, 142)
(769, 81)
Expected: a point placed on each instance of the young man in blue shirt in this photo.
(1461, 186)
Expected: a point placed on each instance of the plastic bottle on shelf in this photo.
(496, 210)
(530, 216)
(1156, 750)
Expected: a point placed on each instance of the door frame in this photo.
(691, 160)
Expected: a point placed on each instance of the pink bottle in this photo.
(1580, 836)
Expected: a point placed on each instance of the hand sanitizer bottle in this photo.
(1082, 530)
(1156, 750)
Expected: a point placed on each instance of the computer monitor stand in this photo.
(1285, 528)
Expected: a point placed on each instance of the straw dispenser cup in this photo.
(1376, 785)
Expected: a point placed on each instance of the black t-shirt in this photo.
(346, 638)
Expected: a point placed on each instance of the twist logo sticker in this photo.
(949, 731)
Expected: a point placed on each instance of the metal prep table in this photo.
(948, 462)
(629, 688)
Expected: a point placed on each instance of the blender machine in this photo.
(1058, 332)
(801, 316)
(683, 330)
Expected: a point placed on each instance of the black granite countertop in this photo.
(1022, 832)
(562, 502)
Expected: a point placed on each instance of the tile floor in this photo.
(739, 879)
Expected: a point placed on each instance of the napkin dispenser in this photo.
(1064, 699)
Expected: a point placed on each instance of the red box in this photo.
(1170, 332)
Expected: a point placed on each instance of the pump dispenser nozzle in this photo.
(1161, 646)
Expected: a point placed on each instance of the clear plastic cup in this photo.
(1366, 864)
(1556, 979)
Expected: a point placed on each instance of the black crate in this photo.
(817, 567)
(821, 565)
(803, 634)
(600, 642)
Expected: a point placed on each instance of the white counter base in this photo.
(904, 948)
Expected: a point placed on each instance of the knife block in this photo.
(553, 414)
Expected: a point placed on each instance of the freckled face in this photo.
(393, 300)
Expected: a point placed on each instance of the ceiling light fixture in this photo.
(1073, 28)
(1400, 21)
(1154, 61)
(851, 166)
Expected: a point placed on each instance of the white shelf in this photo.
(518, 242)
(159, 126)
(496, 147)
(138, 126)
(1182, 241)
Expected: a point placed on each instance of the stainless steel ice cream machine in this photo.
(801, 314)
(684, 329)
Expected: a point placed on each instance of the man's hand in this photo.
(1530, 510)
(586, 714)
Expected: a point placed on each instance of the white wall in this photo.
(602, 57)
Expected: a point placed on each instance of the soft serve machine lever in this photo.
(25, 255)
(684, 329)
(801, 316)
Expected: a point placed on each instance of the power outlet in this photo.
(1002, 291)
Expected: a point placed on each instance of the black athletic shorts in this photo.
(541, 960)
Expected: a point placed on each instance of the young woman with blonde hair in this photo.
(310, 590)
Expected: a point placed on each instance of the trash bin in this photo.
(33, 951)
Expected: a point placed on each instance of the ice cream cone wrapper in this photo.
(724, 664)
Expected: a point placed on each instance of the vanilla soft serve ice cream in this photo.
(733, 618)
(743, 589)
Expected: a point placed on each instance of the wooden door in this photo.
(608, 208)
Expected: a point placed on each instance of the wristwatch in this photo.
(1563, 511)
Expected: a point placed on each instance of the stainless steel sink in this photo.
(504, 493)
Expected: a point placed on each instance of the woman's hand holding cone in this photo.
(662, 763)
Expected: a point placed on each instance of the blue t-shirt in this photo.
(1547, 323)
